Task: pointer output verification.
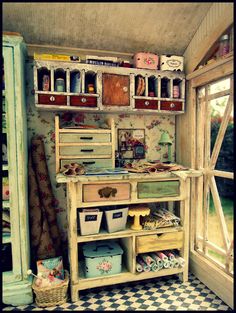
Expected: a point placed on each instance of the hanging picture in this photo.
(131, 143)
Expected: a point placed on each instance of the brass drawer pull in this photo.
(146, 102)
(172, 105)
(83, 100)
(52, 99)
(106, 192)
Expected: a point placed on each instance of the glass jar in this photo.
(224, 46)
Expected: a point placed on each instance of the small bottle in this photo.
(45, 82)
(60, 85)
(90, 88)
(224, 46)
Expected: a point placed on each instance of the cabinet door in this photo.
(115, 90)
(11, 206)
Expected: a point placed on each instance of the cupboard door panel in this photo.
(115, 90)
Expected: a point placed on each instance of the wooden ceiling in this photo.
(162, 28)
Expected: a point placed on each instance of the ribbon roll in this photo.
(154, 267)
(139, 267)
(145, 267)
(162, 256)
(147, 259)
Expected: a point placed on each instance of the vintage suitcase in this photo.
(171, 63)
(146, 60)
(102, 258)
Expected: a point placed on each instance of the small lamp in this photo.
(166, 141)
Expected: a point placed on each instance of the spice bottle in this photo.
(224, 46)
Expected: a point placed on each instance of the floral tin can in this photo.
(102, 258)
(146, 60)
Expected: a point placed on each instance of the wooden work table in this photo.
(133, 188)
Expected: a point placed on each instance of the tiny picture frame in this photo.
(131, 143)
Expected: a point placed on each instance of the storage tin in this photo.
(102, 258)
(116, 219)
(171, 63)
(146, 60)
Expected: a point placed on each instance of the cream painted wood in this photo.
(159, 242)
(215, 23)
(16, 283)
(99, 71)
(128, 237)
(84, 145)
(213, 277)
(218, 70)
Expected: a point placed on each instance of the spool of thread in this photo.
(176, 263)
(166, 264)
(147, 259)
(162, 256)
(170, 255)
(139, 267)
(171, 264)
(145, 267)
(154, 267)
(181, 261)
(158, 261)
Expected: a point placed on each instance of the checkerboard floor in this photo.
(159, 294)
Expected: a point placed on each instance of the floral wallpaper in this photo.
(42, 123)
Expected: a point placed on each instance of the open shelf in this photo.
(124, 276)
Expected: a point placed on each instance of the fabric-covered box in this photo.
(171, 63)
(146, 60)
(102, 258)
(116, 219)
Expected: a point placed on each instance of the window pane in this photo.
(226, 194)
(219, 86)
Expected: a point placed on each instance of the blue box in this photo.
(102, 258)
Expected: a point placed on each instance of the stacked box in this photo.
(102, 258)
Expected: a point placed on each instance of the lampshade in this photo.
(165, 139)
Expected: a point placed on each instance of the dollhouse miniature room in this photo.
(117, 156)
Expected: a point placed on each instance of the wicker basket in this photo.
(50, 296)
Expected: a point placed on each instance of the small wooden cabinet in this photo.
(115, 90)
(16, 284)
(86, 192)
(89, 147)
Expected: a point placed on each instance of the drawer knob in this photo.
(83, 100)
(172, 105)
(146, 102)
(125, 89)
(106, 192)
(52, 99)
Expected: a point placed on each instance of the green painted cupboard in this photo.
(16, 286)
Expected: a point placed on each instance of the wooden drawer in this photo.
(146, 104)
(171, 105)
(106, 192)
(52, 99)
(83, 101)
(85, 150)
(88, 162)
(165, 241)
(85, 137)
(158, 189)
